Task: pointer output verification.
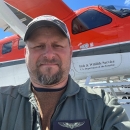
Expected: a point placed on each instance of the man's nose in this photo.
(49, 52)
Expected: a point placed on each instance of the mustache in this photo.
(48, 61)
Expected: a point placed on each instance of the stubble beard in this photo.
(46, 79)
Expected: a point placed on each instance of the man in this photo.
(50, 99)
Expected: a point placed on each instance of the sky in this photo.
(77, 4)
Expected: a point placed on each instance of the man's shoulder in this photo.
(10, 90)
(90, 94)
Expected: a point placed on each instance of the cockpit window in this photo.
(89, 20)
(7, 47)
(120, 12)
(21, 44)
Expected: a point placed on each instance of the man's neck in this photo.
(60, 84)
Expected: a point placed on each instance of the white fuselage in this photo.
(98, 66)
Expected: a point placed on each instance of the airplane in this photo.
(99, 36)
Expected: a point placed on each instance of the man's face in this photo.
(48, 56)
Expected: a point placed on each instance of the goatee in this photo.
(48, 78)
(45, 79)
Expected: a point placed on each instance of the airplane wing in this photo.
(5, 26)
(23, 17)
(34, 8)
(26, 10)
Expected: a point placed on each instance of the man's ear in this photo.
(71, 50)
(25, 50)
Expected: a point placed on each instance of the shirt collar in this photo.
(72, 88)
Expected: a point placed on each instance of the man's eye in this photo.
(41, 46)
(57, 46)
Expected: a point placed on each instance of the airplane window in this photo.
(21, 44)
(89, 20)
(120, 12)
(7, 47)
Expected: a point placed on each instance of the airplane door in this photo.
(94, 28)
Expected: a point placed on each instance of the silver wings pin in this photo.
(71, 125)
